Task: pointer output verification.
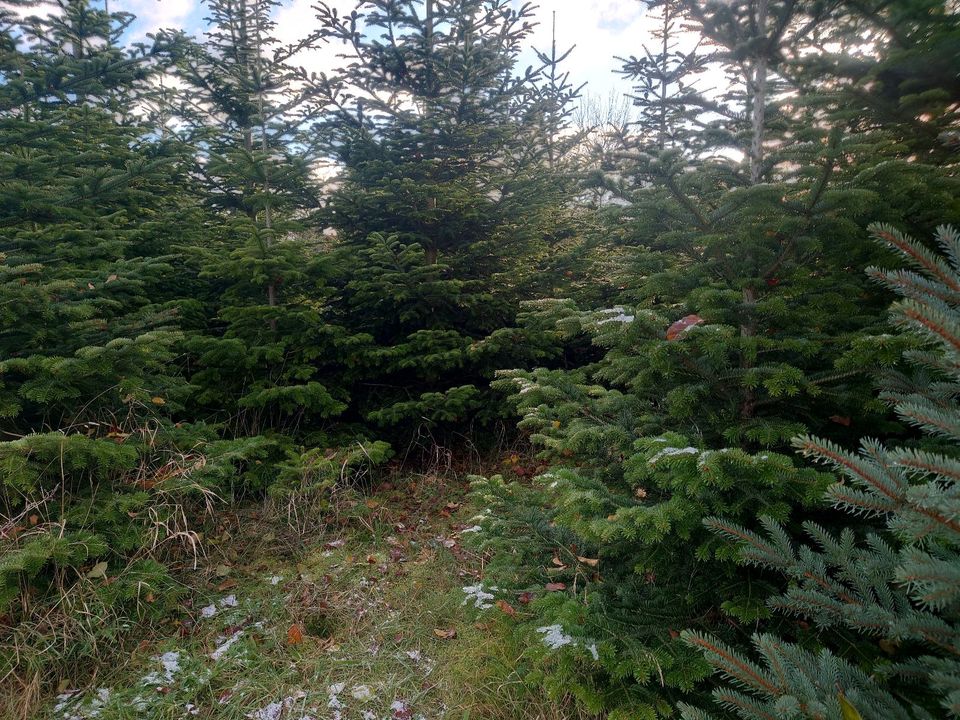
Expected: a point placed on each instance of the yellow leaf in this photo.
(157, 400)
(556, 423)
(592, 562)
(847, 710)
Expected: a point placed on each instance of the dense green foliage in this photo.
(225, 278)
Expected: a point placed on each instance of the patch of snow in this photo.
(362, 692)
(672, 452)
(170, 661)
(191, 709)
(229, 601)
(270, 712)
(554, 637)
(224, 647)
(480, 597)
(475, 528)
(276, 579)
(209, 611)
(592, 648)
(368, 715)
(414, 655)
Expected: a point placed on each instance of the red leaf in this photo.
(841, 420)
(682, 325)
(553, 587)
(525, 598)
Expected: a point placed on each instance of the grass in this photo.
(365, 620)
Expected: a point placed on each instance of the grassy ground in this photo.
(363, 620)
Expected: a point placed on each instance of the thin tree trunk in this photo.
(759, 96)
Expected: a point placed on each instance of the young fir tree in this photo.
(264, 356)
(89, 481)
(740, 325)
(449, 196)
(884, 602)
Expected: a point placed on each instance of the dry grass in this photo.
(366, 594)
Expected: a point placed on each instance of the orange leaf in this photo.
(294, 635)
(507, 608)
(682, 325)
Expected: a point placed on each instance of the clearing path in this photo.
(373, 619)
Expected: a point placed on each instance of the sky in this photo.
(600, 30)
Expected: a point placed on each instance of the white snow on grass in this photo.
(170, 662)
(224, 647)
(554, 637)
(475, 528)
(68, 704)
(333, 701)
(276, 579)
(213, 608)
(480, 597)
(362, 693)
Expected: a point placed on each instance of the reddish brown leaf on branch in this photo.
(682, 325)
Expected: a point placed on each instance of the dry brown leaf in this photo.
(294, 635)
(506, 607)
(554, 587)
(592, 562)
(445, 634)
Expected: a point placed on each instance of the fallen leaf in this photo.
(157, 400)
(555, 586)
(294, 635)
(34, 519)
(445, 634)
(677, 329)
(506, 607)
(525, 597)
(111, 278)
(558, 562)
(98, 571)
(841, 420)
(222, 570)
(592, 562)
(227, 584)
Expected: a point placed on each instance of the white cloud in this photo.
(155, 14)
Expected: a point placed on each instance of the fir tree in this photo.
(264, 357)
(446, 200)
(891, 593)
(89, 335)
(738, 327)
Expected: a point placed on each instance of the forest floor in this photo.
(369, 618)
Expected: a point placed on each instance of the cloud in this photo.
(153, 15)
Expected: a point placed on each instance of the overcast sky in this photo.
(600, 29)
